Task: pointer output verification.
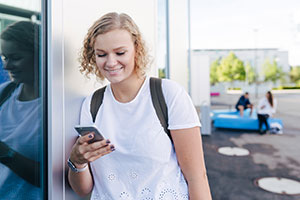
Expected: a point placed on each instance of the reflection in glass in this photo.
(20, 113)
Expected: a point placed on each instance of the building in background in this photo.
(256, 57)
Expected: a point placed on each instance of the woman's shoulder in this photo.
(11, 86)
(87, 100)
(4, 85)
(171, 88)
(264, 99)
(171, 85)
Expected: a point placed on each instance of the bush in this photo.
(286, 88)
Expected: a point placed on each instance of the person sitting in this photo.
(243, 104)
(266, 108)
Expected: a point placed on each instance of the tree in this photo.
(213, 72)
(161, 73)
(231, 68)
(272, 71)
(295, 74)
(251, 75)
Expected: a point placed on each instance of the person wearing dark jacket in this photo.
(243, 104)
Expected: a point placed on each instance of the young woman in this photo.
(266, 108)
(20, 113)
(139, 161)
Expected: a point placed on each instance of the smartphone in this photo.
(83, 130)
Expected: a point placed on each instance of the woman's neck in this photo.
(28, 92)
(128, 89)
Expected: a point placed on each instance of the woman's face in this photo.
(18, 62)
(115, 53)
(267, 95)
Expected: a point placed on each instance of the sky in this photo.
(34, 5)
(228, 24)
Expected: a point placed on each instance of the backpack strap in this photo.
(7, 91)
(159, 103)
(96, 102)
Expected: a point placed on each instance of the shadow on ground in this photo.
(232, 178)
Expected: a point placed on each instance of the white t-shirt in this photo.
(20, 129)
(268, 109)
(144, 165)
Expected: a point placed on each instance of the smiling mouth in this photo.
(13, 72)
(113, 70)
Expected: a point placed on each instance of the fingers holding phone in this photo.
(84, 130)
(84, 151)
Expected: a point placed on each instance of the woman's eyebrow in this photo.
(118, 48)
(115, 49)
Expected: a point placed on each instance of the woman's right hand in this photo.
(84, 152)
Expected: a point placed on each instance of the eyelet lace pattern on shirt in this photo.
(111, 177)
(133, 175)
(125, 196)
(146, 194)
(167, 194)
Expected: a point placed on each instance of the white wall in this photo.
(200, 86)
(67, 86)
(178, 28)
(200, 90)
(55, 102)
(70, 21)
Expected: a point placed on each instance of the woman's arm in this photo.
(82, 182)
(24, 167)
(188, 147)
(82, 154)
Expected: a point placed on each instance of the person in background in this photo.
(139, 161)
(20, 113)
(266, 108)
(243, 104)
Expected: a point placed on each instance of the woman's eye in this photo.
(12, 58)
(101, 55)
(120, 53)
(16, 58)
(3, 58)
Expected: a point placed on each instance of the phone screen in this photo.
(83, 130)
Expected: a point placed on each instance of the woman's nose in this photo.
(7, 64)
(111, 61)
(4, 63)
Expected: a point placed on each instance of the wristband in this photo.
(8, 156)
(74, 168)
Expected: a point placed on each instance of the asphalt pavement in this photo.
(232, 177)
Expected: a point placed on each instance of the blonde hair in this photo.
(109, 22)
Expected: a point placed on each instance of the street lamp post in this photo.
(255, 30)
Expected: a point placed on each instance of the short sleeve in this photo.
(85, 115)
(181, 110)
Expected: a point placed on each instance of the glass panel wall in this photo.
(162, 55)
(21, 101)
